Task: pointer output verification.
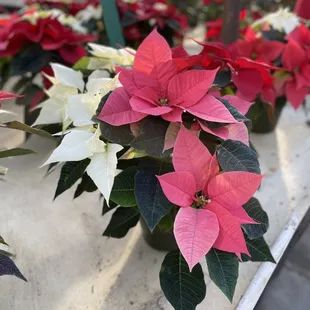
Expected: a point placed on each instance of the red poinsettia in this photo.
(211, 202)
(214, 27)
(250, 77)
(155, 87)
(157, 11)
(296, 84)
(254, 46)
(48, 32)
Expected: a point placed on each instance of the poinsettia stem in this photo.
(231, 21)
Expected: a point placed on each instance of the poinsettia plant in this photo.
(140, 16)
(281, 40)
(163, 143)
(30, 39)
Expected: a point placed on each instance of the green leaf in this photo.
(2, 252)
(222, 78)
(133, 153)
(236, 156)
(259, 251)
(151, 200)
(2, 241)
(123, 192)
(256, 212)
(81, 64)
(69, 174)
(20, 126)
(8, 267)
(16, 152)
(122, 220)
(183, 289)
(32, 59)
(166, 223)
(152, 137)
(102, 102)
(117, 134)
(223, 270)
(233, 111)
(86, 185)
(106, 208)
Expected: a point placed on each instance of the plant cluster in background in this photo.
(164, 140)
(139, 17)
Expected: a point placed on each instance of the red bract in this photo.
(48, 32)
(250, 77)
(256, 48)
(154, 87)
(301, 35)
(214, 27)
(211, 202)
(5, 96)
(295, 60)
(144, 10)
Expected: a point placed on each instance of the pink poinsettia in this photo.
(211, 202)
(155, 87)
(6, 96)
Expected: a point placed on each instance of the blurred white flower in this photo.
(90, 12)
(109, 57)
(282, 20)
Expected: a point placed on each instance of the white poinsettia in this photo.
(109, 57)
(82, 107)
(67, 83)
(79, 144)
(282, 20)
(89, 13)
(83, 141)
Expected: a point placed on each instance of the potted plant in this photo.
(30, 39)
(162, 144)
(278, 39)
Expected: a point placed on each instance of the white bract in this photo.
(90, 12)
(83, 141)
(79, 144)
(282, 20)
(68, 83)
(109, 57)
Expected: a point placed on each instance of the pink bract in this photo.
(204, 194)
(155, 87)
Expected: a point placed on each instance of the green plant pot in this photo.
(264, 117)
(158, 240)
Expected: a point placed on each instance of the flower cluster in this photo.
(283, 42)
(139, 17)
(52, 30)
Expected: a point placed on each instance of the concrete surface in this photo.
(69, 265)
(289, 287)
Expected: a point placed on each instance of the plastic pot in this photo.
(161, 241)
(264, 117)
